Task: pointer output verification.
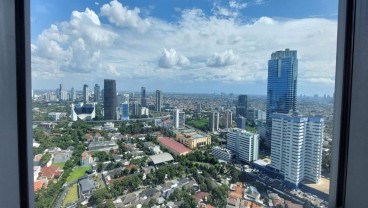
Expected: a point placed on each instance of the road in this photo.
(104, 121)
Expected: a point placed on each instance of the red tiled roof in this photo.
(51, 171)
(38, 185)
(173, 145)
(129, 167)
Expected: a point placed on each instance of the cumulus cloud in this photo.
(119, 48)
(124, 17)
(170, 58)
(226, 58)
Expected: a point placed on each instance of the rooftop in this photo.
(173, 145)
(161, 158)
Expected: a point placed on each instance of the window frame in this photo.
(15, 87)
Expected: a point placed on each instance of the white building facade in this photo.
(179, 119)
(296, 147)
(244, 144)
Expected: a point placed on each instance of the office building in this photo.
(243, 144)
(281, 85)
(143, 97)
(241, 108)
(97, 91)
(85, 94)
(73, 94)
(124, 110)
(125, 98)
(179, 119)
(109, 99)
(213, 121)
(60, 90)
(296, 147)
(227, 119)
(135, 109)
(158, 100)
(252, 115)
(240, 122)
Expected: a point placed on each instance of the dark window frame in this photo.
(16, 188)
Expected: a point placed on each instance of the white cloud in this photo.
(124, 17)
(237, 5)
(120, 49)
(170, 59)
(226, 58)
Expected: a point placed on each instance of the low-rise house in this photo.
(39, 184)
(102, 146)
(115, 136)
(86, 159)
(86, 186)
(51, 172)
(62, 156)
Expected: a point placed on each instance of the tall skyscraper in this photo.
(213, 121)
(60, 90)
(244, 144)
(85, 94)
(296, 147)
(97, 93)
(241, 108)
(143, 97)
(73, 95)
(281, 85)
(158, 100)
(109, 99)
(179, 119)
(124, 110)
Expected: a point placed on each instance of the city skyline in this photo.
(89, 42)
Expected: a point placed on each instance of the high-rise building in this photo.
(109, 99)
(244, 144)
(63, 95)
(143, 97)
(227, 119)
(296, 147)
(199, 108)
(60, 90)
(252, 115)
(158, 100)
(213, 121)
(85, 94)
(179, 119)
(241, 108)
(97, 91)
(240, 122)
(135, 109)
(281, 85)
(124, 110)
(73, 94)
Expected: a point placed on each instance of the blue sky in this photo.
(181, 45)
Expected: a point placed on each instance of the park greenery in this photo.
(199, 123)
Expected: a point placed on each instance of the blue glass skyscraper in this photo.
(281, 85)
